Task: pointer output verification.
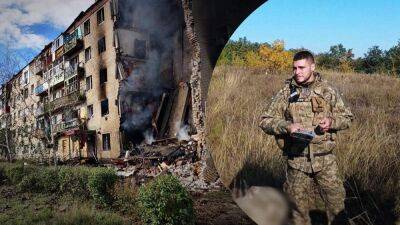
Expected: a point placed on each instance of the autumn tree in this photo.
(275, 58)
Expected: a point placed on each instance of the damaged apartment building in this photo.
(117, 77)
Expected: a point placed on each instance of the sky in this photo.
(26, 26)
(318, 24)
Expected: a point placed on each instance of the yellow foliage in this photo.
(238, 61)
(345, 66)
(275, 58)
(253, 59)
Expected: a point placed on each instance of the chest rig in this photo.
(308, 106)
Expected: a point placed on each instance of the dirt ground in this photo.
(218, 208)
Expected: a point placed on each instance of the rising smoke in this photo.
(141, 91)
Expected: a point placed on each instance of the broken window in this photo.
(103, 76)
(140, 49)
(104, 107)
(100, 15)
(88, 54)
(90, 111)
(88, 83)
(86, 27)
(102, 45)
(106, 142)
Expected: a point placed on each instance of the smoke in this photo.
(140, 92)
(183, 133)
(148, 137)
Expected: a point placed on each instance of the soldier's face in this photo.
(303, 71)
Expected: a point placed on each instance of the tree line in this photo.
(273, 57)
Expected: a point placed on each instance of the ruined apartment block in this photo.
(112, 81)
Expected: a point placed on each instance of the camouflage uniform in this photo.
(310, 164)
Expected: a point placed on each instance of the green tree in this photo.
(235, 52)
(373, 61)
(337, 58)
(393, 60)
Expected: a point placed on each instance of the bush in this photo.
(73, 180)
(29, 183)
(125, 199)
(43, 180)
(49, 179)
(100, 183)
(16, 172)
(165, 201)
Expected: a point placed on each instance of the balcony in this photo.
(72, 43)
(41, 88)
(47, 75)
(73, 95)
(72, 88)
(65, 126)
(73, 71)
(38, 67)
(57, 75)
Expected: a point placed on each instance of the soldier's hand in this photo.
(325, 124)
(294, 127)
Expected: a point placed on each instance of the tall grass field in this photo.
(368, 153)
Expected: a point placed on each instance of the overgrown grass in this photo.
(367, 152)
(35, 209)
(34, 191)
(77, 181)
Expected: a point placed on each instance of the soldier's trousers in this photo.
(300, 187)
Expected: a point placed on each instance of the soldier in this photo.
(308, 104)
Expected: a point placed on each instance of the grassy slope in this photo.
(34, 208)
(367, 153)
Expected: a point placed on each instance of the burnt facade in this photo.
(123, 73)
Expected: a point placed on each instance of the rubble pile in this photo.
(170, 155)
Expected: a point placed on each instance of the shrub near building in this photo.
(164, 201)
(77, 181)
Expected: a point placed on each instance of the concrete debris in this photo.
(165, 156)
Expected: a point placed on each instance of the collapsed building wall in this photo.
(184, 38)
(153, 61)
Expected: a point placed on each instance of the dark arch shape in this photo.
(209, 25)
(215, 21)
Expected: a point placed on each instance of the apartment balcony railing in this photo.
(72, 43)
(47, 75)
(57, 75)
(41, 88)
(71, 88)
(54, 75)
(64, 126)
(73, 95)
(57, 79)
(73, 71)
